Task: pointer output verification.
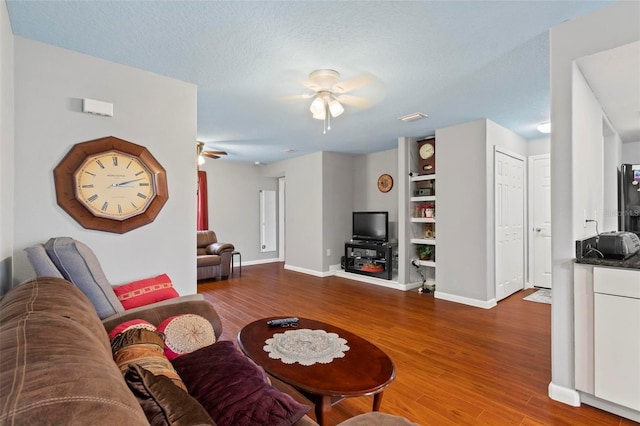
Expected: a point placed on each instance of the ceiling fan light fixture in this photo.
(317, 107)
(335, 107)
(544, 127)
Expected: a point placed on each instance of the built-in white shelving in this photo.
(423, 219)
(418, 178)
(418, 223)
(431, 241)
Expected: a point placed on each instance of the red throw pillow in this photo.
(144, 292)
(131, 324)
(185, 333)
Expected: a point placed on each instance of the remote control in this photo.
(282, 321)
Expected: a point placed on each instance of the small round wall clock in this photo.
(385, 183)
(111, 185)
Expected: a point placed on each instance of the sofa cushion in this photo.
(57, 366)
(234, 390)
(208, 260)
(145, 348)
(78, 264)
(163, 402)
(41, 262)
(204, 238)
(185, 333)
(146, 291)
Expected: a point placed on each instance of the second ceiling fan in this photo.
(202, 152)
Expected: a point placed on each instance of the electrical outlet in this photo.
(328, 252)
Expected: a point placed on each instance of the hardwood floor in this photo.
(455, 364)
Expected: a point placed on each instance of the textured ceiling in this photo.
(456, 61)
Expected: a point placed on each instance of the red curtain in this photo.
(203, 206)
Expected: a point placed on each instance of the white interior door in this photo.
(509, 223)
(540, 211)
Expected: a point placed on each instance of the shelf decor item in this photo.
(429, 230)
(427, 156)
(429, 211)
(425, 252)
(385, 183)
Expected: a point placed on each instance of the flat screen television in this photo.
(371, 226)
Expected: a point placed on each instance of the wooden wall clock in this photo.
(111, 185)
(427, 156)
(385, 183)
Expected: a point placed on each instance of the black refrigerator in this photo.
(629, 215)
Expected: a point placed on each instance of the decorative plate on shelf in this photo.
(385, 183)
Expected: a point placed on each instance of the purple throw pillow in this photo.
(233, 389)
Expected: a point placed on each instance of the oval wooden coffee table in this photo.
(364, 369)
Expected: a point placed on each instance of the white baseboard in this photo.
(377, 281)
(336, 267)
(256, 262)
(308, 271)
(625, 412)
(565, 395)
(484, 304)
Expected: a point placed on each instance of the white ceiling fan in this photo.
(329, 94)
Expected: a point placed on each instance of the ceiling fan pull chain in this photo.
(327, 115)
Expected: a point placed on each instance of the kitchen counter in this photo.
(633, 262)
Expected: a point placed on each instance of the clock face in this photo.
(426, 151)
(114, 185)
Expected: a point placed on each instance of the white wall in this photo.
(337, 205)
(461, 211)
(366, 196)
(320, 192)
(588, 140)
(234, 208)
(465, 209)
(304, 198)
(150, 110)
(612, 158)
(539, 146)
(568, 42)
(631, 153)
(6, 149)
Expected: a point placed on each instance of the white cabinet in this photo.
(616, 336)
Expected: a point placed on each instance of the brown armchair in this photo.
(214, 258)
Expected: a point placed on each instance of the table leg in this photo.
(377, 400)
(323, 407)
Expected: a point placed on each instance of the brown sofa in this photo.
(213, 257)
(57, 365)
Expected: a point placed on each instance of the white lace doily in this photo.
(305, 346)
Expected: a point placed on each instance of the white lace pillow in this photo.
(186, 333)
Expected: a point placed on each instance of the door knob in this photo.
(537, 229)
